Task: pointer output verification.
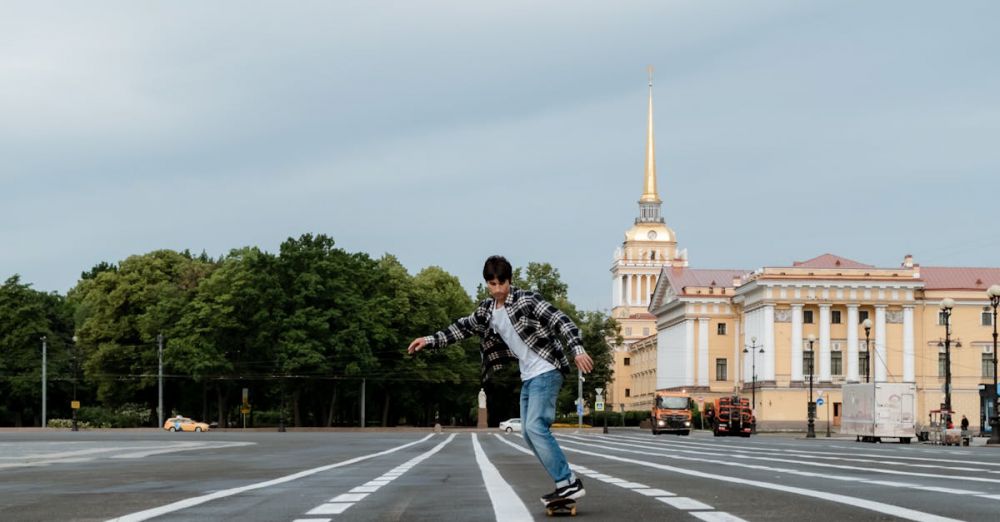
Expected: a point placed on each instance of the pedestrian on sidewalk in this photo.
(965, 423)
(518, 325)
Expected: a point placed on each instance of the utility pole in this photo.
(45, 398)
(159, 409)
(363, 379)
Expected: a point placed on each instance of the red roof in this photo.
(830, 261)
(683, 277)
(959, 278)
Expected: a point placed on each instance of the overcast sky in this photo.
(443, 132)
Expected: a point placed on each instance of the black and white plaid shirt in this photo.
(534, 319)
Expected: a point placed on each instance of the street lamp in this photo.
(868, 351)
(752, 350)
(811, 409)
(45, 363)
(994, 295)
(947, 304)
(76, 372)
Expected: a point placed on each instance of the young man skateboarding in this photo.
(519, 325)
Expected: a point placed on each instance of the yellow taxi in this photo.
(179, 423)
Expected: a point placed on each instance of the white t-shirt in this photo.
(531, 364)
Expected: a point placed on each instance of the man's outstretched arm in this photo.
(460, 329)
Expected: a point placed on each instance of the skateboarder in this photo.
(518, 325)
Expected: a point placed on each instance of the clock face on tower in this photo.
(651, 234)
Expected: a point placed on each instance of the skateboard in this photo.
(561, 507)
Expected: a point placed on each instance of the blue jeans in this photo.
(538, 410)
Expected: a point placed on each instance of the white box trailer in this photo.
(873, 411)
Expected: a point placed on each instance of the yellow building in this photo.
(715, 332)
(715, 326)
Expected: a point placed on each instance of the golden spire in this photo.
(649, 184)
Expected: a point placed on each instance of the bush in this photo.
(126, 416)
(68, 423)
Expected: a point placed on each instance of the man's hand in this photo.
(417, 345)
(584, 363)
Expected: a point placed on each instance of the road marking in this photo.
(659, 494)
(871, 505)
(716, 516)
(684, 503)
(741, 454)
(342, 502)
(506, 504)
(194, 501)
(191, 447)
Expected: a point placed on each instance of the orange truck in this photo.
(732, 416)
(671, 413)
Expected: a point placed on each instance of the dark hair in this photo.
(497, 267)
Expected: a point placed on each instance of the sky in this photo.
(445, 132)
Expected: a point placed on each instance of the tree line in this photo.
(308, 331)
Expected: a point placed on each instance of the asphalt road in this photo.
(453, 476)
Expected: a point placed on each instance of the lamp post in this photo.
(752, 350)
(947, 304)
(868, 351)
(811, 408)
(994, 295)
(76, 371)
(159, 351)
(45, 362)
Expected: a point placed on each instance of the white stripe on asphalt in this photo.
(506, 504)
(684, 503)
(889, 509)
(196, 446)
(342, 502)
(194, 501)
(699, 457)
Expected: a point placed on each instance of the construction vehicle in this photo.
(733, 416)
(671, 413)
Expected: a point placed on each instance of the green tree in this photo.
(119, 314)
(25, 316)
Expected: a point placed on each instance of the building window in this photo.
(807, 316)
(628, 361)
(835, 317)
(862, 364)
(721, 328)
(941, 318)
(987, 365)
(941, 364)
(862, 315)
(720, 370)
(628, 330)
(987, 318)
(807, 363)
(628, 392)
(645, 332)
(836, 363)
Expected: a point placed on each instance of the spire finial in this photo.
(649, 182)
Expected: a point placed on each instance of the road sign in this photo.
(579, 409)
(75, 405)
(245, 409)
(599, 390)
(819, 401)
(599, 406)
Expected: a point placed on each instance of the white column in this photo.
(796, 342)
(645, 290)
(702, 351)
(908, 372)
(769, 354)
(689, 352)
(616, 286)
(628, 289)
(879, 359)
(824, 342)
(737, 350)
(852, 343)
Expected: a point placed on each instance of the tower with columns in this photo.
(649, 246)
